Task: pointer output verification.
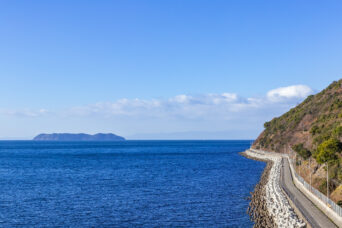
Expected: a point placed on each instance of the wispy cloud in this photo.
(203, 106)
(24, 112)
(186, 106)
(224, 105)
(228, 114)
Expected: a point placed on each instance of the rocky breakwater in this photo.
(269, 206)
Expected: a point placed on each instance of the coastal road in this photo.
(312, 214)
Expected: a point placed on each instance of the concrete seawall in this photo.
(315, 211)
(276, 202)
(257, 209)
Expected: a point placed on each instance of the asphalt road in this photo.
(312, 214)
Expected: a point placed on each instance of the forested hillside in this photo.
(314, 130)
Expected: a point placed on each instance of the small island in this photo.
(78, 137)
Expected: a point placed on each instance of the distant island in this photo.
(78, 137)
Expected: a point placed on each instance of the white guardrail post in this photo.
(329, 207)
(326, 205)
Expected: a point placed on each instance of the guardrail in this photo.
(331, 204)
(326, 205)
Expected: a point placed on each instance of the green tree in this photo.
(338, 131)
(267, 124)
(302, 151)
(327, 150)
(314, 130)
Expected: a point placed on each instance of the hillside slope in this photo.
(316, 119)
(314, 130)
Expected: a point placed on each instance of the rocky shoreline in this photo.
(257, 209)
(269, 206)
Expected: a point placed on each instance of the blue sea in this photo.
(126, 184)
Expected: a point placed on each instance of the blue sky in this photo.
(162, 69)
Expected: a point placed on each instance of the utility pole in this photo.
(310, 174)
(327, 180)
(298, 164)
(295, 161)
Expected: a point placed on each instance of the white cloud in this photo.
(24, 112)
(289, 92)
(204, 106)
(185, 106)
(180, 99)
(214, 112)
(204, 99)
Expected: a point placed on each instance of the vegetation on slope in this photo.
(314, 130)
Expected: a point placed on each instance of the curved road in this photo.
(312, 214)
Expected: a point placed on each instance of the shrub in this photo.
(339, 174)
(327, 150)
(308, 99)
(339, 203)
(267, 124)
(337, 132)
(302, 151)
(323, 136)
(336, 105)
(323, 187)
(314, 130)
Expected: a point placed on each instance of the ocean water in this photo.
(126, 184)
